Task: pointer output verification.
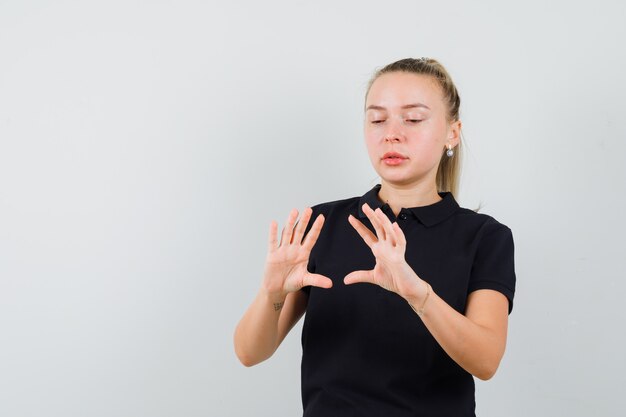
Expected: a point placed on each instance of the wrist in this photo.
(418, 293)
(422, 306)
(273, 294)
(273, 299)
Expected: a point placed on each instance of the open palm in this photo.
(287, 260)
(388, 246)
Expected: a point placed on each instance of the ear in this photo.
(454, 133)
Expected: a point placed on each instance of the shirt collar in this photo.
(427, 215)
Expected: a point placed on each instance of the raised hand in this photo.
(388, 246)
(286, 262)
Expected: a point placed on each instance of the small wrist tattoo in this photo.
(278, 306)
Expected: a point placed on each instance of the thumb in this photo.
(317, 280)
(359, 276)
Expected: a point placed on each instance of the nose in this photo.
(393, 132)
(392, 138)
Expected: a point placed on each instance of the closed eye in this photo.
(377, 121)
(414, 120)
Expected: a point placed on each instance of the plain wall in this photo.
(146, 146)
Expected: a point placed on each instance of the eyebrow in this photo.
(406, 106)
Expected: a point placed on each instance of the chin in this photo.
(402, 176)
(398, 179)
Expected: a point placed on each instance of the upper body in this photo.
(364, 351)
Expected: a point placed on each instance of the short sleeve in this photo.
(494, 266)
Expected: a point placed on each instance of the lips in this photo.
(394, 155)
(393, 158)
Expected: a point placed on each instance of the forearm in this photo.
(280, 302)
(477, 348)
(256, 335)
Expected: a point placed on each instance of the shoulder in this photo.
(337, 206)
(482, 224)
(493, 261)
(334, 212)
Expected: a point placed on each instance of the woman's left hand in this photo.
(388, 245)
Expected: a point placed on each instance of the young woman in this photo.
(406, 294)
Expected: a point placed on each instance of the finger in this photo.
(273, 236)
(371, 214)
(301, 226)
(387, 226)
(288, 229)
(311, 237)
(359, 276)
(317, 280)
(364, 232)
(400, 238)
(382, 220)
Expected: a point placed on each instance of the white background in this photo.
(146, 146)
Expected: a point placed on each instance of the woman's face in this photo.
(406, 131)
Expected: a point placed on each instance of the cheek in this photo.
(371, 144)
(428, 141)
(429, 137)
(429, 150)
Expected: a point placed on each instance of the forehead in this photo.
(396, 89)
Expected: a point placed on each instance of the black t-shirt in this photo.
(365, 351)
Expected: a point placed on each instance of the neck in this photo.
(414, 195)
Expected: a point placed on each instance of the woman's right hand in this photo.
(286, 263)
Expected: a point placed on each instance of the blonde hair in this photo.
(448, 173)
